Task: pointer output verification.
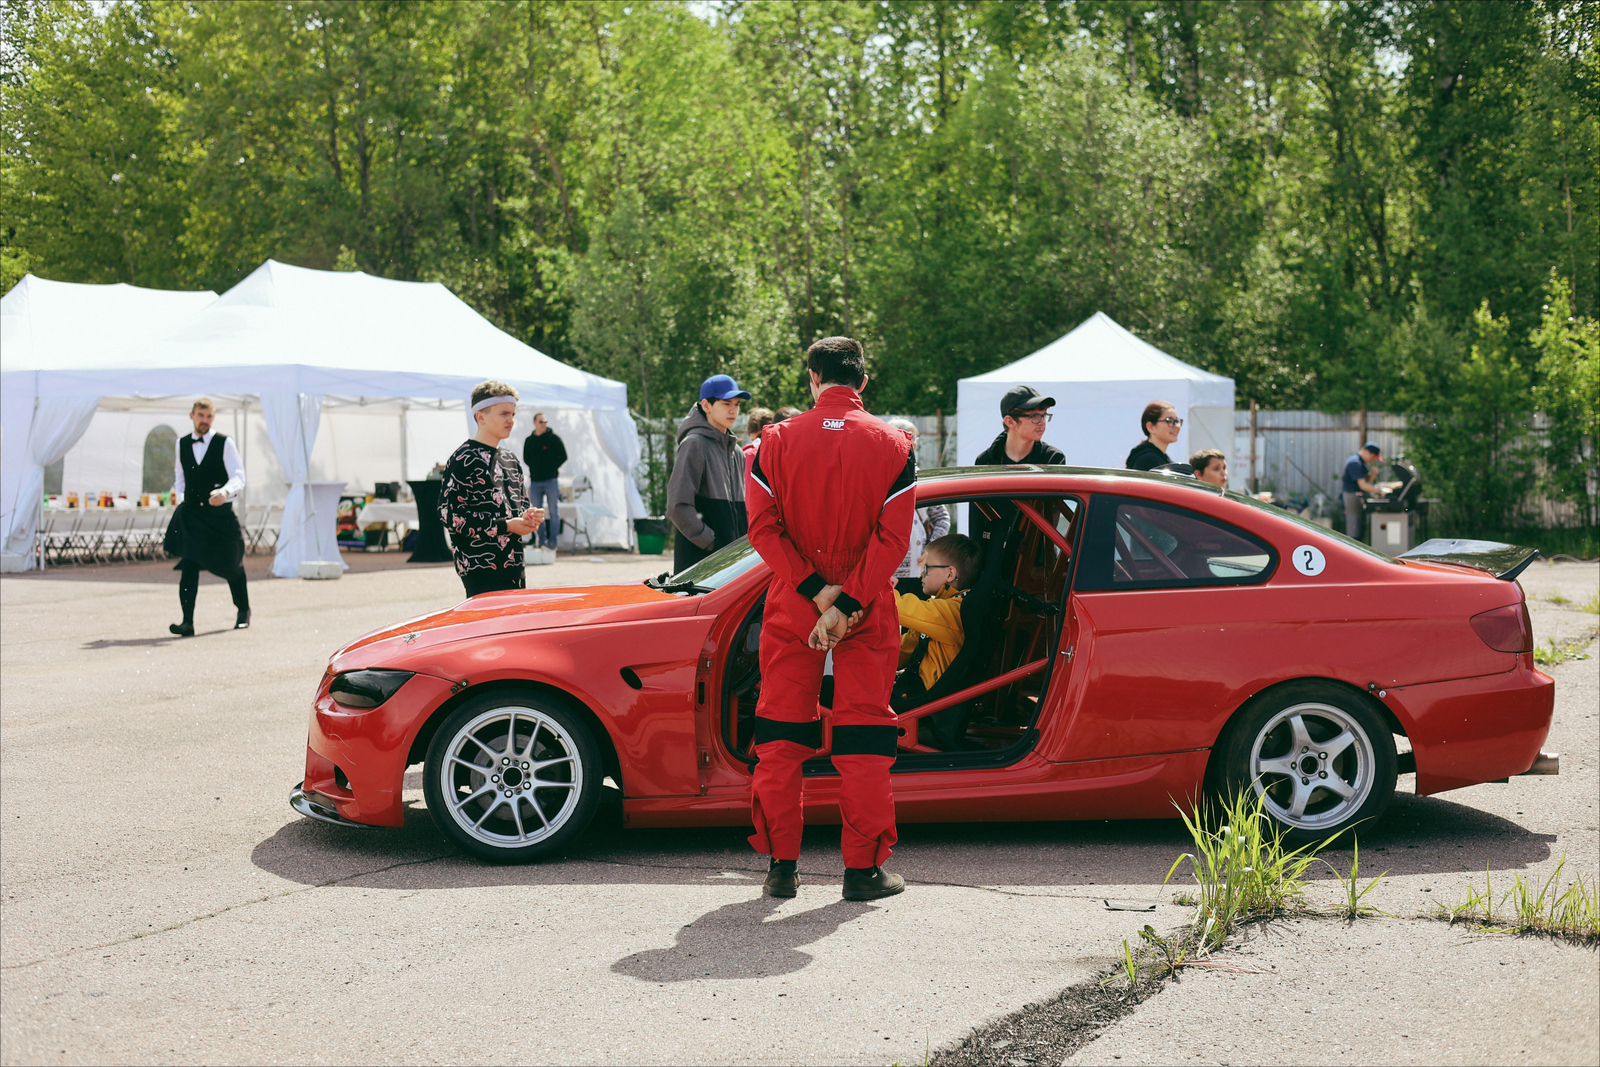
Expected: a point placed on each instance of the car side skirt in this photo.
(1033, 790)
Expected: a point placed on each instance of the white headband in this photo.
(491, 402)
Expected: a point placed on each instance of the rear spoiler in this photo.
(1501, 560)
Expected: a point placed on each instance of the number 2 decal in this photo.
(1308, 560)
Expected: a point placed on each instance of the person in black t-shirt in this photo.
(544, 454)
(1025, 415)
(1161, 426)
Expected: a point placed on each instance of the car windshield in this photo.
(717, 569)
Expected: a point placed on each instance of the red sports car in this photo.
(1132, 640)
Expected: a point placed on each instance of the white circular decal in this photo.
(1308, 560)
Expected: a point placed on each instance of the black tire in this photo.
(509, 810)
(1340, 739)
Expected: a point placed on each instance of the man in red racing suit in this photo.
(831, 498)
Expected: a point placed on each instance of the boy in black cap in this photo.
(1355, 484)
(1025, 414)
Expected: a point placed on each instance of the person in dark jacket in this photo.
(705, 495)
(1025, 415)
(544, 454)
(1161, 427)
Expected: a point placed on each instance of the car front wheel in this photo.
(1317, 756)
(512, 776)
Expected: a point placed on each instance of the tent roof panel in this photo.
(49, 325)
(1099, 350)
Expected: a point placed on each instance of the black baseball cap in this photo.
(1372, 446)
(1024, 398)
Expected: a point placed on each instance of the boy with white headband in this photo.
(483, 503)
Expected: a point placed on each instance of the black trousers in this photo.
(489, 579)
(189, 588)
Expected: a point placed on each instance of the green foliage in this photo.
(1318, 199)
(1242, 871)
(1353, 894)
(1536, 908)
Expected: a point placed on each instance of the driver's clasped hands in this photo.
(527, 522)
(832, 624)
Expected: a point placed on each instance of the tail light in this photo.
(1506, 629)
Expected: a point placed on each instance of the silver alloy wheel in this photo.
(511, 777)
(1315, 766)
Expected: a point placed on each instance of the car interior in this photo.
(983, 709)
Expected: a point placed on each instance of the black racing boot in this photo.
(243, 621)
(870, 883)
(182, 629)
(782, 879)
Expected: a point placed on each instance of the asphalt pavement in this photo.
(162, 903)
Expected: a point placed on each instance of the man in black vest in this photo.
(208, 475)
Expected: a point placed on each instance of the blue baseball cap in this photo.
(721, 387)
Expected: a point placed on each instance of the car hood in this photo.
(512, 611)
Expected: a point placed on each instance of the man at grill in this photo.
(830, 497)
(1355, 483)
(204, 533)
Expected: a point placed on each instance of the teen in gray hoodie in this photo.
(705, 495)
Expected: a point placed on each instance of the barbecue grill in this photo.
(1391, 518)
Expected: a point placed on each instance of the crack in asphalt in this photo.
(220, 911)
(435, 859)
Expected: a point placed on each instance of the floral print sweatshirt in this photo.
(482, 489)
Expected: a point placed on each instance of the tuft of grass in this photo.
(1553, 654)
(1536, 908)
(1592, 605)
(1171, 952)
(1558, 599)
(1241, 869)
(1353, 892)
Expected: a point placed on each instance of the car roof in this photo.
(1012, 470)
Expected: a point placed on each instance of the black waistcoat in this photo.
(202, 479)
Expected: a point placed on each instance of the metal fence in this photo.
(1303, 453)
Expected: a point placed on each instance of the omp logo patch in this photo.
(833, 424)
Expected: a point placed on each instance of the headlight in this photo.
(366, 689)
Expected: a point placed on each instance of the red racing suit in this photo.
(831, 498)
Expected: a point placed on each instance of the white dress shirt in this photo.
(198, 446)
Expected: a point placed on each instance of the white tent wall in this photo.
(1101, 377)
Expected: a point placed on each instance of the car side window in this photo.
(1141, 544)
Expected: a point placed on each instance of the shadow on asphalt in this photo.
(1418, 835)
(151, 642)
(741, 940)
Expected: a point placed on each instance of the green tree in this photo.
(1568, 395)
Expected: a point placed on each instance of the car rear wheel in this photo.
(512, 776)
(1317, 756)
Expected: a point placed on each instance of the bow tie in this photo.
(196, 438)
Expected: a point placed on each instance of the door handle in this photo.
(1068, 651)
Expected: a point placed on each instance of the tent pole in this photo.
(405, 466)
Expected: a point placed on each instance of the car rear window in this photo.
(1140, 544)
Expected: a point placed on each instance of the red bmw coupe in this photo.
(1132, 640)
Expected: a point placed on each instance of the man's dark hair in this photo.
(785, 413)
(838, 361)
(962, 551)
(1202, 459)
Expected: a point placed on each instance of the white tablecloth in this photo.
(387, 511)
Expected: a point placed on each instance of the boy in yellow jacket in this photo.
(951, 563)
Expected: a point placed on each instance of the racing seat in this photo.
(981, 608)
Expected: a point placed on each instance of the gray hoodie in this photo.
(705, 495)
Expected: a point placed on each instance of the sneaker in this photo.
(782, 879)
(182, 629)
(871, 883)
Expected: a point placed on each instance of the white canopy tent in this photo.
(1101, 377)
(50, 327)
(299, 342)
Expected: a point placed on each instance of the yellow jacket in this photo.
(940, 619)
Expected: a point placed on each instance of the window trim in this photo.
(1093, 573)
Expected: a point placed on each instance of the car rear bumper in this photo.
(1474, 730)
